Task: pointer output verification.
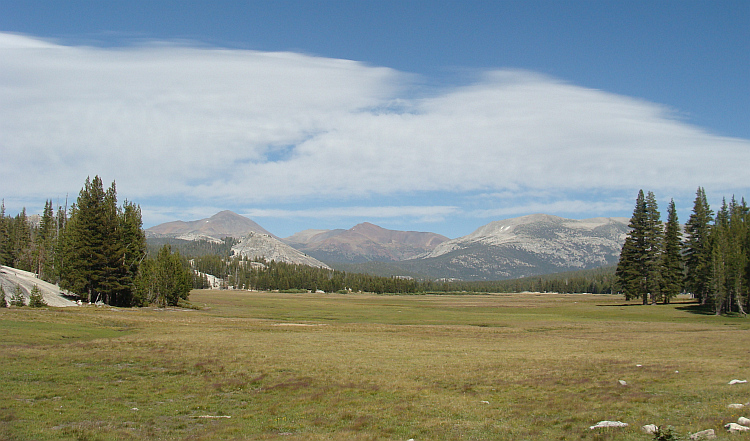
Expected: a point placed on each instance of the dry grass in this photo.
(371, 367)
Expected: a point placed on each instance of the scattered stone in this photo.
(135, 408)
(703, 434)
(603, 424)
(214, 416)
(622, 382)
(485, 402)
(650, 429)
(743, 421)
(736, 428)
(737, 381)
(639, 365)
(735, 406)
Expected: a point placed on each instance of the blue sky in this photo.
(434, 116)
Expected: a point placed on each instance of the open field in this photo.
(329, 367)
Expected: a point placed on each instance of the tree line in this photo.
(262, 275)
(95, 249)
(709, 260)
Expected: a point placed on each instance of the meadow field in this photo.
(261, 366)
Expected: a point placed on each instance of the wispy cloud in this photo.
(239, 128)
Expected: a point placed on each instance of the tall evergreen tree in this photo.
(698, 253)
(653, 250)
(86, 242)
(4, 236)
(671, 262)
(718, 294)
(638, 270)
(44, 244)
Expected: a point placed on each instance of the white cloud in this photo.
(213, 127)
(423, 213)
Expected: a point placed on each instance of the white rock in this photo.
(735, 406)
(639, 365)
(485, 402)
(605, 423)
(703, 434)
(743, 421)
(735, 428)
(623, 382)
(737, 381)
(650, 429)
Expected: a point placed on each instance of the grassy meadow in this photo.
(263, 366)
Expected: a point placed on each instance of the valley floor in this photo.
(263, 366)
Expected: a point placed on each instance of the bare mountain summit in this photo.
(363, 243)
(223, 224)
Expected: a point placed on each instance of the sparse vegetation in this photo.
(18, 298)
(308, 367)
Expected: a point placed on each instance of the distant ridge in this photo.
(363, 243)
(520, 247)
(222, 224)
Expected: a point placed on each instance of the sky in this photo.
(415, 115)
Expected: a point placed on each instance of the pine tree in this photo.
(672, 265)
(36, 299)
(653, 250)
(87, 229)
(163, 280)
(44, 242)
(18, 298)
(4, 236)
(3, 304)
(698, 253)
(638, 270)
(738, 225)
(718, 294)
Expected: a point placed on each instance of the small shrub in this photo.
(666, 433)
(17, 299)
(36, 299)
(2, 298)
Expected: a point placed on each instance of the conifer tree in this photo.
(163, 280)
(638, 270)
(18, 298)
(653, 250)
(718, 294)
(86, 242)
(45, 243)
(672, 266)
(698, 253)
(36, 299)
(4, 236)
(3, 304)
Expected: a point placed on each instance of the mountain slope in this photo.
(364, 242)
(256, 245)
(223, 224)
(526, 246)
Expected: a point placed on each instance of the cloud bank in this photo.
(240, 128)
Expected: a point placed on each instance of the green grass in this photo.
(329, 367)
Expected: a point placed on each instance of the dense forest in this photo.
(95, 249)
(712, 261)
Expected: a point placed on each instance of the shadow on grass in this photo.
(697, 308)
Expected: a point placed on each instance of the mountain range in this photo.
(519, 247)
